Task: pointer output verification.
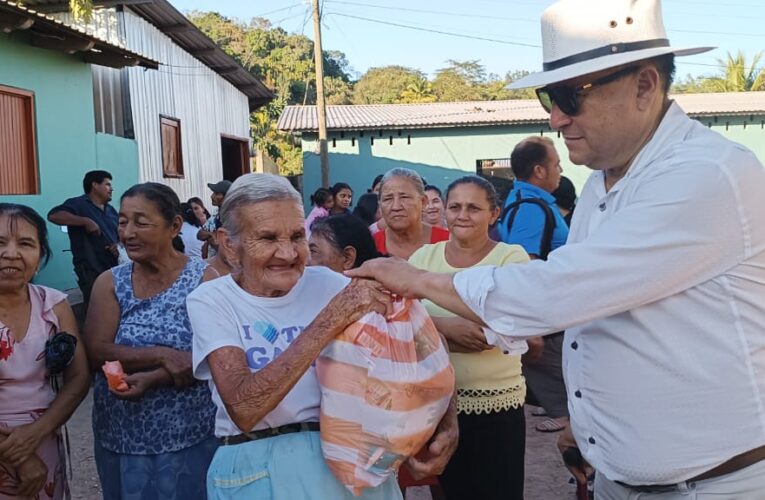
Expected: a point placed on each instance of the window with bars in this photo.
(172, 158)
(18, 157)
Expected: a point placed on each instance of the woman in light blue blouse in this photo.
(155, 440)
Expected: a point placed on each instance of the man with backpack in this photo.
(531, 219)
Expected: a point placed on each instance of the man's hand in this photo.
(396, 275)
(32, 477)
(440, 449)
(580, 470)
(20, 443)
(91, 227)
(113, 249)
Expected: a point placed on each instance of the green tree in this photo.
(460, 81)
(385, 85)
(417, 92)
(284, 62)
(738, 76)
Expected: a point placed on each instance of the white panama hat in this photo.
(585, 36)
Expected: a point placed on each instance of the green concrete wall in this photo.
(67, 144)
(442, 155)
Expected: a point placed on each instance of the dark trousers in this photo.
(489, 461)
(544, 378)
(86, 277)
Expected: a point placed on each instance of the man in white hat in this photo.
(663, 304)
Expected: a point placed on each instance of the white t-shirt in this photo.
(190, 241)
(222, 314)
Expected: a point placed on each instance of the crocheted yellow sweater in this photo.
(487, 381)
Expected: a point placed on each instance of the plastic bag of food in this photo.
(115, 375)
(385, 384)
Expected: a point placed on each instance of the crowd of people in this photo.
(651, 308)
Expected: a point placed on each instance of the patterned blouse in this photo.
(166, 419)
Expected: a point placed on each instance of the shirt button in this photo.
(574, 345)
(578, 394)
(591, 440)
(602, 207)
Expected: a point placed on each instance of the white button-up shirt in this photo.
(661, 291)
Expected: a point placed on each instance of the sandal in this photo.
(539, 412)
(550, 425)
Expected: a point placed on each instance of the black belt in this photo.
(270, 432)
(735, 464)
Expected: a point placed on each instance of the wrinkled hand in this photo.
(32, 475)
(396, 275)
(442, 446)
(359, 298)
(464, 335)
(138, 383)
(566, 440)
(20, 443)
(536, 348)
(178, 365)
(91, 227)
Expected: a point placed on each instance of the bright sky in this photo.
(511, 25)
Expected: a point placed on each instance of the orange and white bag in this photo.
(385, 384)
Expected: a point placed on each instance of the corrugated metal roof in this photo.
(46, 26)
(481, 113)
(174, 24)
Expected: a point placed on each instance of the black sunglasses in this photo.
(567, 98)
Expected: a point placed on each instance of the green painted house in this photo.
(443, 141)
(48, 136)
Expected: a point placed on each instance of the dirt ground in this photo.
(546, 478)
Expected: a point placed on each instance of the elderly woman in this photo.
(257, 333)
(489, 461)
(341, 242)
(402, 198)
(156, 439)
(31, 412)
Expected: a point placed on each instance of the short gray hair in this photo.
(250, 189)
(406, 173)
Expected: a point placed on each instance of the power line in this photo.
(440, 32)
(423, 11)
(289, 7)
(717, 33)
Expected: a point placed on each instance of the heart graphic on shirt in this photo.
(266, 330)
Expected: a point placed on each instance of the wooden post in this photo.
(320, 104)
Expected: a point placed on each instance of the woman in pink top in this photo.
(31, 413)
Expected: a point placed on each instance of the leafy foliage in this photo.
(284, 62)
(736, 76)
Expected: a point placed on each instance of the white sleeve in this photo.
(213, 326)
(681, 228)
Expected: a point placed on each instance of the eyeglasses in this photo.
(568, 98)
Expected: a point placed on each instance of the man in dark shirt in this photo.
(92, 229)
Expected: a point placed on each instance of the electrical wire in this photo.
(423, 11)
(440, 32)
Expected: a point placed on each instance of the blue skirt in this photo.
(179, 475)
(285, 467)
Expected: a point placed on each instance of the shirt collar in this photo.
(673, 127)
(533, 191)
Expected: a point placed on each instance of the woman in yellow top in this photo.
(489, 461)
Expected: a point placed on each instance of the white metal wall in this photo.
(182, 88)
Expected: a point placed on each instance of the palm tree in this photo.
(738, 76)
(418, 91)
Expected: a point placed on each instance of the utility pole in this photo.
(320, 104)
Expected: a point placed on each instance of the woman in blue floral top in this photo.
(155, 440)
